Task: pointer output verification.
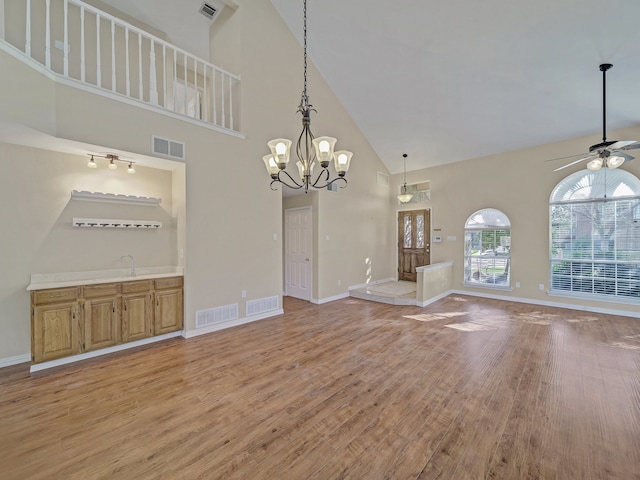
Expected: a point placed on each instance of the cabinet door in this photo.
(136, 316)
(168, 311)
(56, 331)
(101, 323)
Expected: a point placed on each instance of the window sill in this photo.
(488, 286)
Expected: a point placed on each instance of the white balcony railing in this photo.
(79, 42)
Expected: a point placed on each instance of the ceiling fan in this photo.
(607, 153)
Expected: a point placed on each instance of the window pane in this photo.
(487, 249)
(420, 231)
(407, 231)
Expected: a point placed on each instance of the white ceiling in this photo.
(452, 80)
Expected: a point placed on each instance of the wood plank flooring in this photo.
(465, 388)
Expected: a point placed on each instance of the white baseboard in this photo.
(434, 299)
(15, 360)
(570, 306)
(320, 301)
(231, 323)
(103, 351)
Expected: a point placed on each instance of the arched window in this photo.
(595, 235)
(487, 249)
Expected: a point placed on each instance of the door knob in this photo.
(306, 259)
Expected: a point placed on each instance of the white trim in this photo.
(489, 286)
(375, 282)
(434, 299)
(569, 306)
(15, 360)
(114, 198)
(320, 301)
(73, 83)
(231, 323)
(103, 351)
(434, 266)
(594, 297)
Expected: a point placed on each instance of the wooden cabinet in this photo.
(168, 316)
(56, 328)
(101, 311)
(136, 310)
(69, 321)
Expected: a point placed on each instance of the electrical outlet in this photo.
(244, 294)
(339, 282)
(517, 284)
(541, 287)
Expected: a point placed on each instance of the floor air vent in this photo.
(213, 316)
(168, 148)
(254, 307)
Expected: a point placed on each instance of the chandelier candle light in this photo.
(309, 149)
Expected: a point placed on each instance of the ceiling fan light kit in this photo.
(608, 153)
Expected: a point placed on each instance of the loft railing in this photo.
(80, 42)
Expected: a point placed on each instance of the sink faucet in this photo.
(133, 264)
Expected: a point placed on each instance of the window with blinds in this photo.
(487, 249)
(595, 235)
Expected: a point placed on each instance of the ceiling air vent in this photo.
(207, 10)
(168, 148)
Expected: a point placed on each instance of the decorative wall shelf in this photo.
(114, 198)
(111, 223)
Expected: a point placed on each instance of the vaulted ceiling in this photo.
(455, 80)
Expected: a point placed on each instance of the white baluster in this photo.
(153, 84)
(175, 79)
(113, 56)
(205, 99)
(231, 83)
(223, 119)
(126, 57)
(185, 83)
(27, 45)
(98, 61)
(82, 52)
(139, 66)
(213, 95)
(196, 109)
(47, 35)
(164, 75)
(66, 38)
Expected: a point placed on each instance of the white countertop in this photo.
(42, 281)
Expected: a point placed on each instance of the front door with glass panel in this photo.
(414, 239)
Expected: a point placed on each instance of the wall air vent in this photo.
(214, 316)
(168, 148)
(262, 305)
(382, 179)
(207, 10)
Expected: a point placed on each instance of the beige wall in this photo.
(226, 213)
(519, 184)
(37, 235)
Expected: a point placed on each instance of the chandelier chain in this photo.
(304, 101)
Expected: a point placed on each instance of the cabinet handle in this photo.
(125, 305)
(113, 304)
(73, 312)
(158, 302)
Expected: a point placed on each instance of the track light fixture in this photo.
(113, 162)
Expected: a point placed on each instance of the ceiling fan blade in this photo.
(622, 144)
(633, 146)
(568, 156)
(574, 162)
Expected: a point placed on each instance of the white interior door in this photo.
(298, 252)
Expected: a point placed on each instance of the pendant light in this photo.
(404, 197)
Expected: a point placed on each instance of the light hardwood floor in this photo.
(350, 389)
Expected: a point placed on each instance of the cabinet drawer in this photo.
(55, 295)
(172, 282)
(102, 290)
(135, 287)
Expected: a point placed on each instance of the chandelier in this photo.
(309, 149)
